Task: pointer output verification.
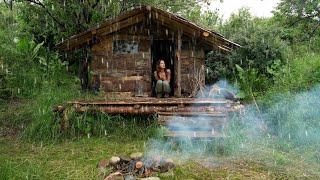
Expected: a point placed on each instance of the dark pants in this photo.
(162, 87)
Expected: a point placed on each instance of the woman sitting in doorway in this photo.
(163, 76)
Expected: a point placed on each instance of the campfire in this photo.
(135, 166)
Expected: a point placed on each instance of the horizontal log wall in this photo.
(130, 73)
(123, 73)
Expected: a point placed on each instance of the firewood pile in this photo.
(134, 167)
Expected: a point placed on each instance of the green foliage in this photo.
(300, 74)
(260, 44)
(261, 49)
(300, 19)
(249, 82)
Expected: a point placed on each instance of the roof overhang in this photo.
(92, 36)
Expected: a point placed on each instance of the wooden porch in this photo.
(183, 117)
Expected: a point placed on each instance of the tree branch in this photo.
(48, 12)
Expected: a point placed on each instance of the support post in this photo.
(177, 67)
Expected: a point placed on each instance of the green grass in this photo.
(77, 159)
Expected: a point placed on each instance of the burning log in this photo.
(139, 165)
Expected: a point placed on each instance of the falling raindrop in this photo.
(35, 81)
(102, 61)
(46, 22)
(306, 133)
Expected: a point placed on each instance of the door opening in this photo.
(163, 49)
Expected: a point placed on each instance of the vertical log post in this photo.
(177, 66)
(83, 71)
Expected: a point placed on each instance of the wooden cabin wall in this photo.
(192, 67)
(128, 74)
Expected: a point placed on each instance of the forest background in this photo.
(276, 73)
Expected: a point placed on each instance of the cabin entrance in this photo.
(162, 49)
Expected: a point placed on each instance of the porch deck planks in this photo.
(182, 117)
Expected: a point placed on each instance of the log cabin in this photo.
(124, 51)
(122, 55)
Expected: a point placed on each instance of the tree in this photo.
(300, 18)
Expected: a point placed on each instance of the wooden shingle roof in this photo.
(210, 38)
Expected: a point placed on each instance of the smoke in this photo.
(193, 146)
(286, 121)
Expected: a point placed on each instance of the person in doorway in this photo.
(163, 77)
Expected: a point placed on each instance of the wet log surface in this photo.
(154, 101)
(183, 117)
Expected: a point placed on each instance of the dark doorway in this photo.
(163, 49)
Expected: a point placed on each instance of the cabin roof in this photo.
(211, 39)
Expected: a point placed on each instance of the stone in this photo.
(114, 160)
(129, 177)
(166, 167)
(168, 160)
(150, 178)
(103, 164)
(136, 156)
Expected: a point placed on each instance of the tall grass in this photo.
(45, 124)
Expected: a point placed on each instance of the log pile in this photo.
(134, 167)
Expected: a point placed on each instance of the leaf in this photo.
(36, 50)
(239, 68)
(241, 95)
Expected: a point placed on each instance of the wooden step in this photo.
(192, 121)
(193, 134)
(203, 113)
(206, 124)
